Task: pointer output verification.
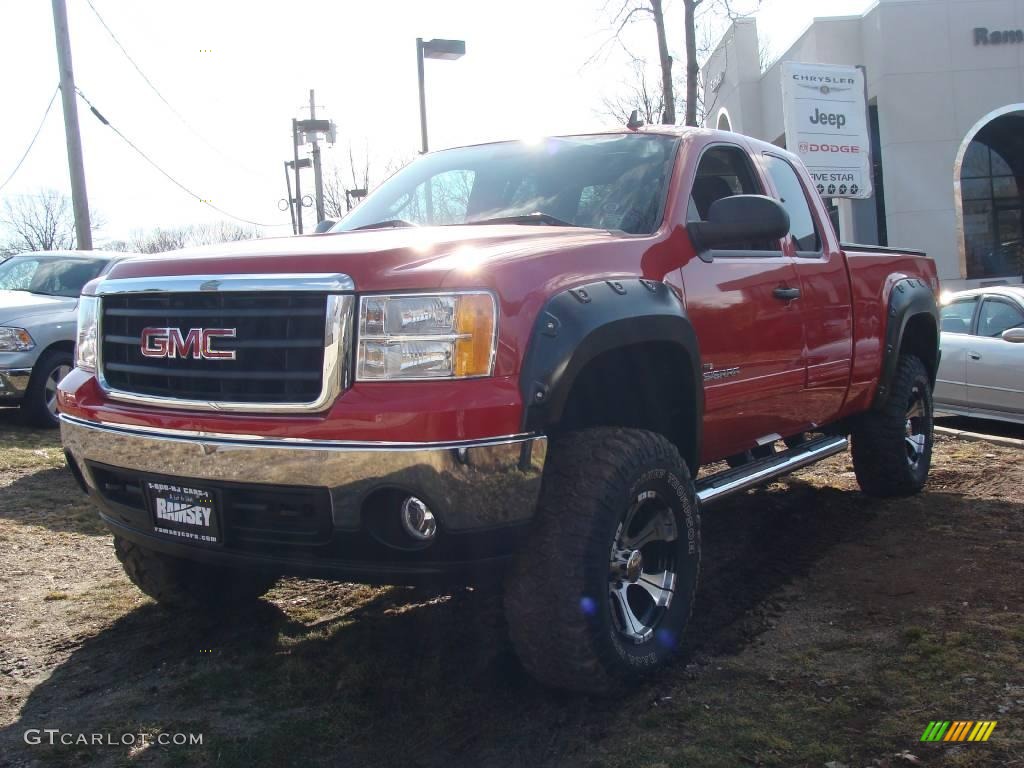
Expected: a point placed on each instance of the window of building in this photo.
(997, 316)
(794, 200)
(991, 186)
(957, 315)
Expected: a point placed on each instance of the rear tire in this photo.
(892, 447)
(186, 585)
(40, 404)
(601, 592)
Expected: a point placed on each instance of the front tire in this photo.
(601, 592)
(41, 398)
(185, 585)
(892, 446)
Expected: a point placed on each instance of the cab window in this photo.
(794, 200)
(724, 171)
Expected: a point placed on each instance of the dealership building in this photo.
(945, 103)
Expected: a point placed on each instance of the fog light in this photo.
(417, 519)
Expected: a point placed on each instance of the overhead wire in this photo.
(168, 104)
(167, 175)
(34, 137)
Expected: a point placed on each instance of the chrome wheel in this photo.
(915, 435)
(642, 567)
(50, 388)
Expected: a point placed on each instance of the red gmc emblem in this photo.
(197, 343)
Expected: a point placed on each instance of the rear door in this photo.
(956, 325)
(995, 368)
(824, 300)
(751, 335)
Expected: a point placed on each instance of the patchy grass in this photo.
(830, 628)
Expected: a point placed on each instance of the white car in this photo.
(981, 372)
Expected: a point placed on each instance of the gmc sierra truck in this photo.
(510, 360)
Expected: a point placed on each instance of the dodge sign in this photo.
(827, 126)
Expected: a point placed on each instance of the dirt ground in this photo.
(830, 630)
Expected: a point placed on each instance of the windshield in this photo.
(49, 275)
(604, 182)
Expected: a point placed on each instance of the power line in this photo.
(34, 137)
(170, 178)
(155, 90)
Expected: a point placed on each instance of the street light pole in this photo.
(433, 49)
(423, 96)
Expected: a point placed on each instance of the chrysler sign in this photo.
(827, 126)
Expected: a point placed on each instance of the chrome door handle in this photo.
(974, 355)
(786, 294)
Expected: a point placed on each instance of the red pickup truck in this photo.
(511, 360)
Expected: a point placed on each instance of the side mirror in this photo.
(738, 220)
(1015, 335)
(325, 225)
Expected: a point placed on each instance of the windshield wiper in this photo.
(526, 218)
(392, 223)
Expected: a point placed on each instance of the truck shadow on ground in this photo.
(405, 676)
(50, 498)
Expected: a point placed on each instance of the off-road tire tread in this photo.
(879, 458)
(549, 631)
(186, 585)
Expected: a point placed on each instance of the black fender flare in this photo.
(579, 324)
(910, 297)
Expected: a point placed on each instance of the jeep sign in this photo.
(827, 126)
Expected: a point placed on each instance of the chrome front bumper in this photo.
(13, 384)
(474, 485)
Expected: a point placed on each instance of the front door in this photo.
(750, 329)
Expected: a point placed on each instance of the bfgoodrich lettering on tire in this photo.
(602, 591)
(892, 447)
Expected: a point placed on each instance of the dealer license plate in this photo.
(183, 512)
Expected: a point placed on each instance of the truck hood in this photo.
(22, 307)
(382, 259)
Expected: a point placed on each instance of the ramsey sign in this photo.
(827, 126)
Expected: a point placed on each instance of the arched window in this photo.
(992, 198)
(723, 121)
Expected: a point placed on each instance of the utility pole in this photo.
(318, 179)
(298, 189)
(79, 199)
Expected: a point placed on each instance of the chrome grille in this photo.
(289, 346)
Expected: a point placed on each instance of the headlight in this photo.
(15, 340)
(437, 336)
(85, 346)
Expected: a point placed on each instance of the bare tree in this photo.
(357, 173)
(692, 67)
(627, 12)
(43, 221)
(716, 12)
(639, 92)
(164, 239)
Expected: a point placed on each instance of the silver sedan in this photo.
(982, 368)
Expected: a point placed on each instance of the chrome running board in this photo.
(732, 481)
